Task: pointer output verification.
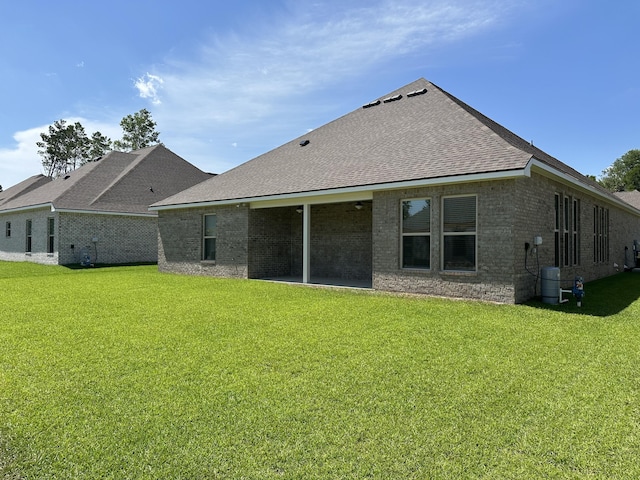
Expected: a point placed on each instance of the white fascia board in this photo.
(347, 194)
(30, 207)
(102, 212)
(568, 179)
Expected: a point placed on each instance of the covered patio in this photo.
(321, 244)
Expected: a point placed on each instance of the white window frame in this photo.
(415, 234)
(458, 234)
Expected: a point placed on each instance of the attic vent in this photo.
(417, 92)
(304, 143)
(393, 99)
(371, 104)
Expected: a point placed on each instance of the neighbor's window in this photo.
(50, 234)
(600, 234)
(416, 233)
(565, 231)
(27, 247)
(556, 232)
(459, 233)
(210, 233)
(7, 229)
(576, 231)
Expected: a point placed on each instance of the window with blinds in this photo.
(459, 230)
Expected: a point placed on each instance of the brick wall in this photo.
(120, 238)
(274, 249)
(493, 280)
(13, 248)
(180, 239)
(341, 241)
(347, 243)
(535, 215)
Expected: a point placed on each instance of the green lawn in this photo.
(128, 373)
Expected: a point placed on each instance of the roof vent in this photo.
(304, 143)
(67, 176)
(392, 99)
(417, 92)
(371, 104)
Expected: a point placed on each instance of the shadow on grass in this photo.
(603, 297)
(77, 266)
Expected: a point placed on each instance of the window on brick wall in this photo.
(209, 238)
(459, 233)
(575, 231)
(28, 227)
(566, 222)
(556, 231)
(416, 233)
(7, 229)
(51, 225)
(600, 234)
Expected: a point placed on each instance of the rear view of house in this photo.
(413, 192)
(97, 213)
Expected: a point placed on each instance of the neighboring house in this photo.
(96, 213)
(414, 192)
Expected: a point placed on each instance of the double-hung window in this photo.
(7, 229)
(416, 233)
(209, 238)
(27, 246)
(51, 224)
(459, 230)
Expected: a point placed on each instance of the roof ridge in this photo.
(517, 141)
(125, 171)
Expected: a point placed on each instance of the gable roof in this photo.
(119, 182)
(416, 133)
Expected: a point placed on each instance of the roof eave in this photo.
(359, 192)
(568, 179)
(28, 207)
(102, 212)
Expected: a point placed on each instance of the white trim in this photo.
(30, 207)
(361, 192)
(568, 179)
(365, 192)
(102, 212)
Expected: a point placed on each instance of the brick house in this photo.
(413, 192)
(98, 212)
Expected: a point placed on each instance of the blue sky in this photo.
(227, 81)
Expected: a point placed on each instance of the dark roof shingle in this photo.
(119, 182)
(421, 132)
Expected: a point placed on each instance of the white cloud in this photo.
(148, 86)
(244, 85)
(236, 79)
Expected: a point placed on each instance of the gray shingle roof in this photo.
(417, 132)
(119, 182)
(632, 198)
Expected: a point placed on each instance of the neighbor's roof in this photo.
(632, 198)
(118, 182)
(418, 132)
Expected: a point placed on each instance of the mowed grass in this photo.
(124, 372)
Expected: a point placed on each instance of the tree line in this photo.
(67, 146)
